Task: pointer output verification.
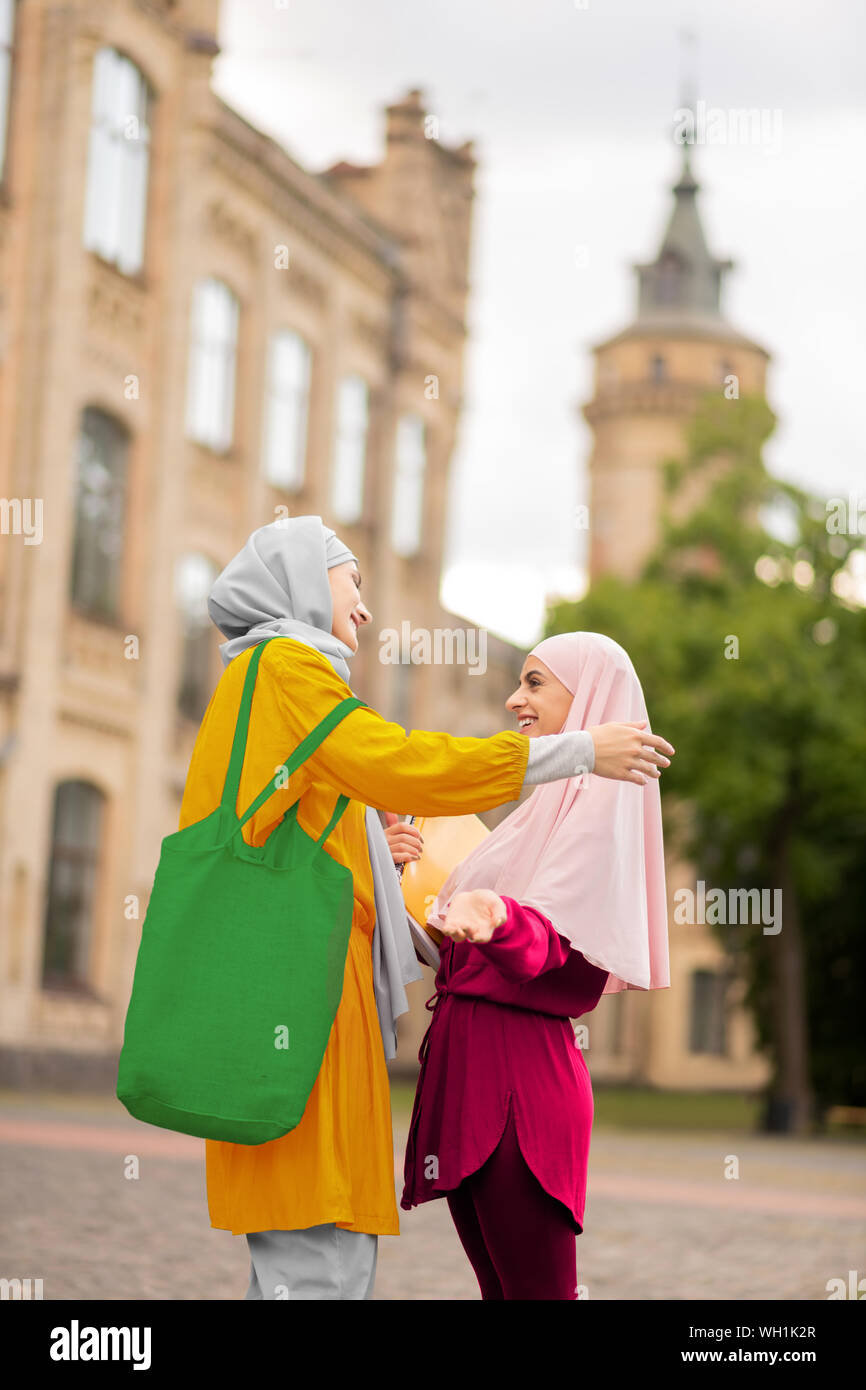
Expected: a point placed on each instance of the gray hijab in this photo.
(277, 586)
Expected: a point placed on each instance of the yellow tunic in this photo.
(337, 1164)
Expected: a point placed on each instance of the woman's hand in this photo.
(474, 916)
(624, 753)
(404, 840)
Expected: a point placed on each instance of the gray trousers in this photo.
(321, 1262)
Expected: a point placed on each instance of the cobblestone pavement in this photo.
(662, 1219)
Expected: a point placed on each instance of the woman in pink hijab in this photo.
(563, 902)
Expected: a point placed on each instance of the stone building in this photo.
(198, 335)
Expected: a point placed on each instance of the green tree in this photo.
(752, 653)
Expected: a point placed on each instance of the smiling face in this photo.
(349, 612)
(540, 698)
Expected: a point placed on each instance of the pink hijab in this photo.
(586, 851)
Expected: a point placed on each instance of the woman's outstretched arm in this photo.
(376, 761)
(518, 940)
(525, 944)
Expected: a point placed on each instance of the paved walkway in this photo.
(662, 1219)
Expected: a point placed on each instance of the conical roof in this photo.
(684, 280)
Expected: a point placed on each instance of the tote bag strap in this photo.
(307, 746)
(231, 786)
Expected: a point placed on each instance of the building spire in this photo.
(684, 281)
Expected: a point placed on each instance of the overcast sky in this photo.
(571, 111)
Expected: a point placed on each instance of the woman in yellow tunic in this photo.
(335, 1170)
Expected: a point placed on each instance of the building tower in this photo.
(649, 378)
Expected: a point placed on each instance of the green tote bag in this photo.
(240, 967)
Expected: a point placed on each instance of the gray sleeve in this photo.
(553, 756)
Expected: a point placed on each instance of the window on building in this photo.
(210, 402)
(194, 578)
(658, 369)
(7, 35)
(708, 1031)
(115, 206)
(669, 277)
(73, 869)
(100, 500)
(287, 405)
(353, 410)
(408, 485)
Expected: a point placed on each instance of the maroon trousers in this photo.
(520, 1241)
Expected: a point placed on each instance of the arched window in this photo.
(73, 868)
(708, 1023)
(115, 207)
(210, 396)
(7, 37)
(353, 410)
(287, 404)
(194, 579)
(408, 485)
(658, 369)
(100, 499)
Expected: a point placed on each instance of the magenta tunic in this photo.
(501, 1036)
